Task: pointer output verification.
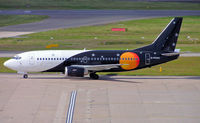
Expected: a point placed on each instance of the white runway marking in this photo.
(60, 113)
(71, 107)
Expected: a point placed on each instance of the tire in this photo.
(94, 76)
(25, 76)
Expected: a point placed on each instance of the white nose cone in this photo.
(8, 64)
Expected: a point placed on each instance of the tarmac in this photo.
(44, 98)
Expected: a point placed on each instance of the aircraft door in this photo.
(31, 59)
(147, 59)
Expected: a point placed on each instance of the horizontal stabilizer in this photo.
(171, 54)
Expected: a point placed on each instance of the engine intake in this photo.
(74, 71)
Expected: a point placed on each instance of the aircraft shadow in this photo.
(115, 78)
(102, 77)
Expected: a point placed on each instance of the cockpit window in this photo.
(17, 57)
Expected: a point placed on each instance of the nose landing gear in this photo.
(94, 76)
(25, 76)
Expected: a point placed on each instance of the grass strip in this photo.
(140, 33)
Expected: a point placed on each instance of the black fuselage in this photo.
(101, 57)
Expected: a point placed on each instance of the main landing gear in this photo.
(25, 76)
(94, 76)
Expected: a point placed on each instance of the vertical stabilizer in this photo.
(167, 39)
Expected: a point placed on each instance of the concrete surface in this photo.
(76, 18)
(44, 98)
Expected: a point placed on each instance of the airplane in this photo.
(78, 63)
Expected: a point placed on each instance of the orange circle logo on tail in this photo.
(130, 60)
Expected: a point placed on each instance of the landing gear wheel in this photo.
(25, 76)
(94, 76)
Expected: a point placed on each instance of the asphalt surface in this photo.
(76, 18)
(44, 98)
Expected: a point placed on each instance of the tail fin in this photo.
(167, 39)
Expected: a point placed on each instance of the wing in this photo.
(98, 67)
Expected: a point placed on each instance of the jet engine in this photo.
(75, 71)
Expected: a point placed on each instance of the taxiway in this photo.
(76, 18)
(44, 98)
